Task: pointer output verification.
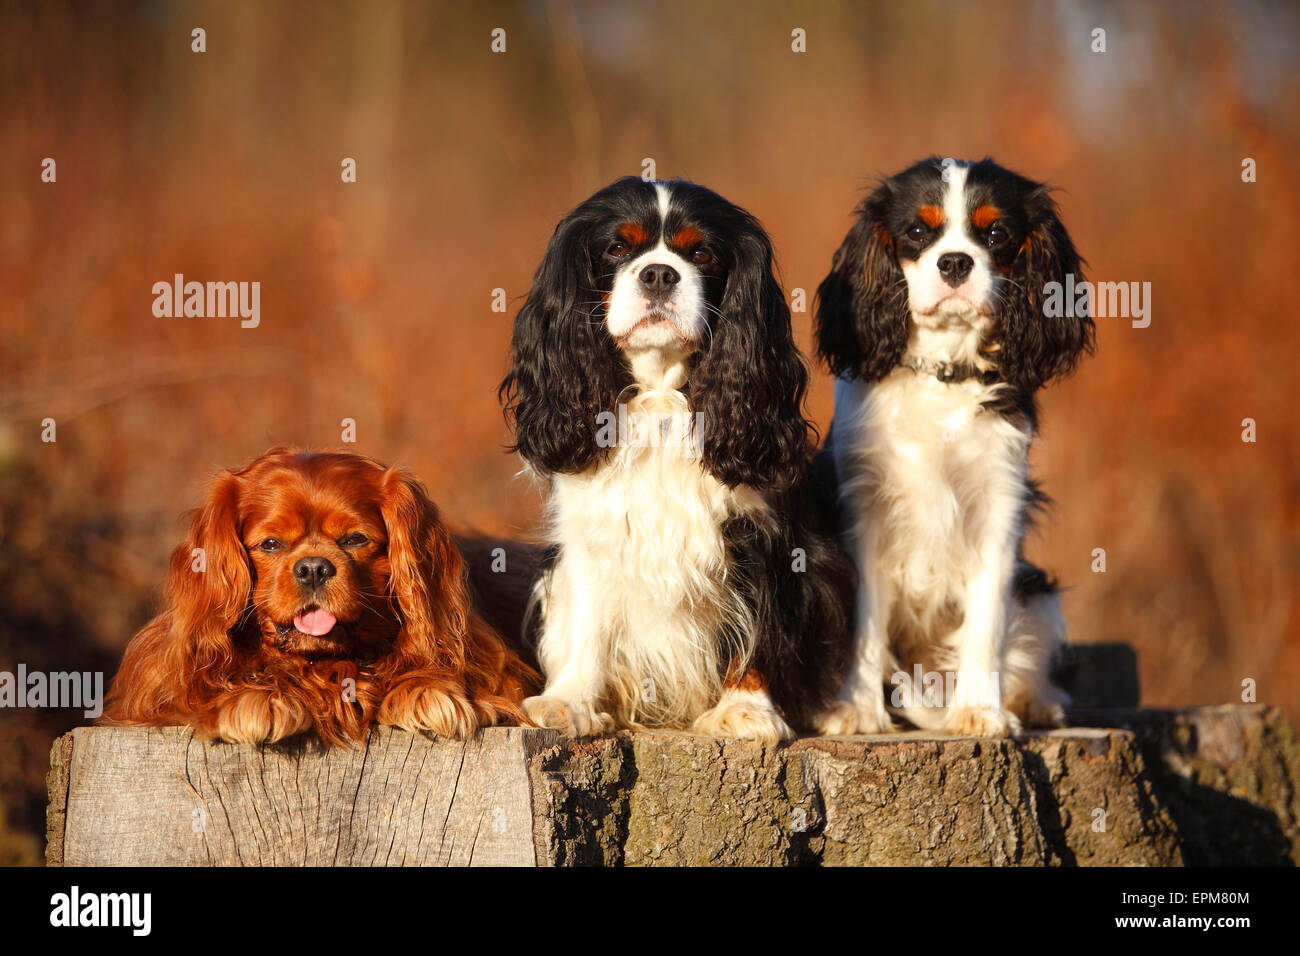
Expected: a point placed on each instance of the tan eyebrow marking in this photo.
(931, 215)
(685, 237)
(633, 233)
(985, 215)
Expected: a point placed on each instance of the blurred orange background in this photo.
(377, 296)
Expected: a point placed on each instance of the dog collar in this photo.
(950, 372)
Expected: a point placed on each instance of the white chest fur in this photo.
(927, 470)
(643, 572)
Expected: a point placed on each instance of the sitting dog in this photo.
(933, 316)
(656, 386)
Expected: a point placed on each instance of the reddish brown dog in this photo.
(318, 592)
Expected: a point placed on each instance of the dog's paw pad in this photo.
(844, 719)
(1042, 714)
(744, 719)
(981, 722)
(428, 709)
(571, 720)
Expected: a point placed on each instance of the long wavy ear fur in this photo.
(748, 387)
(1035, 347)
(181, 658)
(862, 322)
(565, 368)
(427, 578)
(444, 643)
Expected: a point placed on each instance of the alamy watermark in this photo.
(82, 690)
(178, 298)
(129, 910)
(1116, 300)
(651, 429)
(922, 688)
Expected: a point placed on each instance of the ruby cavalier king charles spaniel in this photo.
(318, 592)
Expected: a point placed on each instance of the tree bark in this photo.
(1217, 785)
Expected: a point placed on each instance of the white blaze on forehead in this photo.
(954, 199)
(934, 303)
(664, 193)
(683, 310)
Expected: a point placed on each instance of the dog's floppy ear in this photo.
(180, 658)
(448, 668)
(747, 387)
(565, 369)
(427, 577)
(862, 322)
(1037, 344)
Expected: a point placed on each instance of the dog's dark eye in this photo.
(998, 235)
(916, 233)
(270, 545)
(701, 257)
(618, 250)
(355, 540)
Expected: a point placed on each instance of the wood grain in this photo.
(1209, 785)
(159, 797)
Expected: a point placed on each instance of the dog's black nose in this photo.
(659, 278)
(955, 267)
(313, 572)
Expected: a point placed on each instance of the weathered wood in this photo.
(1228, 775)
(887, 800)
(1203, 785)
(56, 782)
(160, 797)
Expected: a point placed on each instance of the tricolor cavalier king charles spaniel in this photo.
(933, 319)
(318, 592)
(656, 385)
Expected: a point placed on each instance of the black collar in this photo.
(950, 372)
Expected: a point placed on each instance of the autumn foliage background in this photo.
(376, 296)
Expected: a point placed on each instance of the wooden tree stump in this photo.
(1204, 785)
(159, 797)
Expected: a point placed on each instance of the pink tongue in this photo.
(315, 622)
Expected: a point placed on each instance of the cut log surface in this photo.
(160, 797)
(1148, 787)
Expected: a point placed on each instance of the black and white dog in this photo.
(933, 319)
(656, 386)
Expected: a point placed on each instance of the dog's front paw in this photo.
(845, 719)
(981, 722)
(260, 716)
(433, 707)
(577, 719)
(744, 716)
(1045, 714)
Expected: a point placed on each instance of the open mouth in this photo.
(315, 634)
(312, 629)
(315, 621)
